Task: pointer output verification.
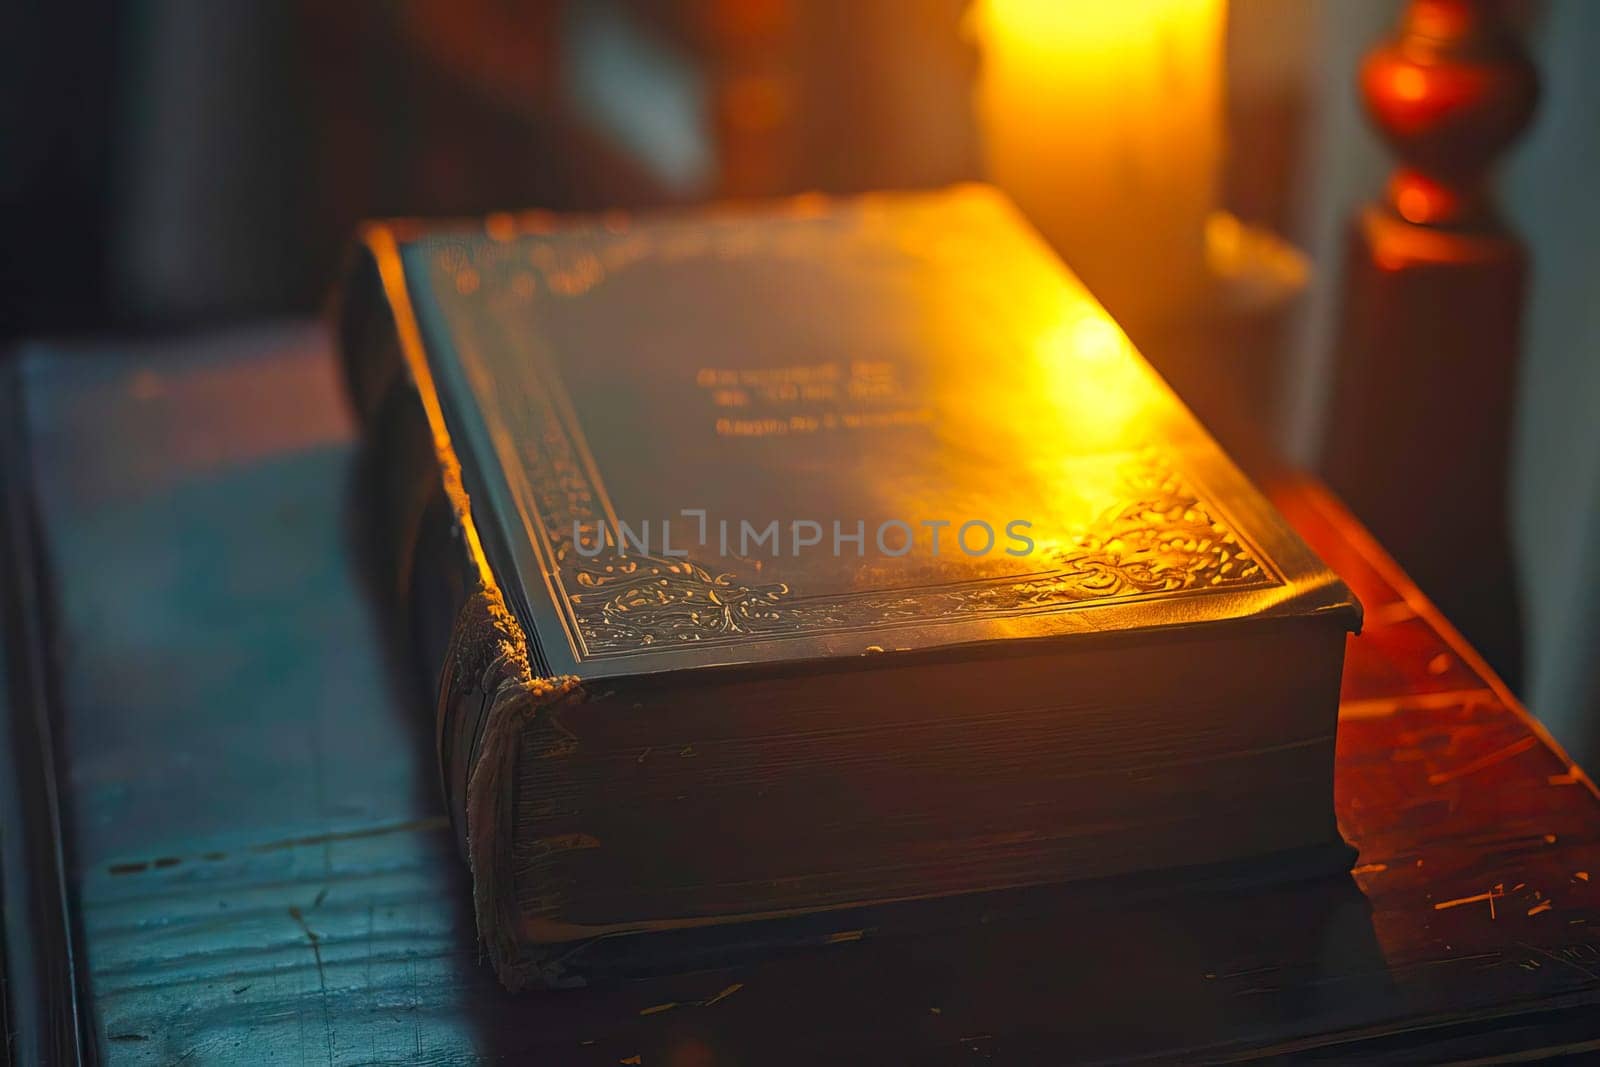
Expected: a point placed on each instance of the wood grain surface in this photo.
(262, 872)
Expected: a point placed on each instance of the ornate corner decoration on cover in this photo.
(625, 601)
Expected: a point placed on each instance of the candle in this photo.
(1103, 121)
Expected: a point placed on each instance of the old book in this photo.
(777, 560)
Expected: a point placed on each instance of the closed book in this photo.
(776, 560)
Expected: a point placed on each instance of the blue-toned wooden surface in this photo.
(263, 874)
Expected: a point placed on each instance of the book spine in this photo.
(447, 611)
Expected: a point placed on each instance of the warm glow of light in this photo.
(1046, 27)
(1260, 264)
(1422, 200)
(1086, 402)
(1092, 375)
(1038, 400)
(1413, 204)
(1103, 120)
(1408, 83)
(1075, 383)
(1091, 339)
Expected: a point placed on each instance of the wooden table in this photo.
(259, 871)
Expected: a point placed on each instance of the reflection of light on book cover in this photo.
(1093, 381)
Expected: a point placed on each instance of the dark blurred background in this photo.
(173, 165)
